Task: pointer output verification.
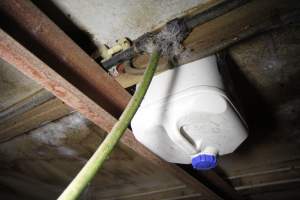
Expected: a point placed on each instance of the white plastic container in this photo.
(186, 114)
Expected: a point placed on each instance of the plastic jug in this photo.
(186, 116)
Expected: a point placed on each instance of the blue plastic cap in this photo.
(204, 162)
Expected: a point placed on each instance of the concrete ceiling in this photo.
(107, 21)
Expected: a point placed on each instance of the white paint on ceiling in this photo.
(110, 20)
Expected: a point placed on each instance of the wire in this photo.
(90, 169)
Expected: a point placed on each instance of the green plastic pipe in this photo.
(87, 173)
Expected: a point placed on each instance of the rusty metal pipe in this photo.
(15, 54)
(71, 60)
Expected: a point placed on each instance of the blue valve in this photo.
(204, 162)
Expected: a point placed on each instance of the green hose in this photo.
(83, 178)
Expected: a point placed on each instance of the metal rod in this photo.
(119, 58)
(15, 54)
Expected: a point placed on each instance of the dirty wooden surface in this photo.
(47, 158)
